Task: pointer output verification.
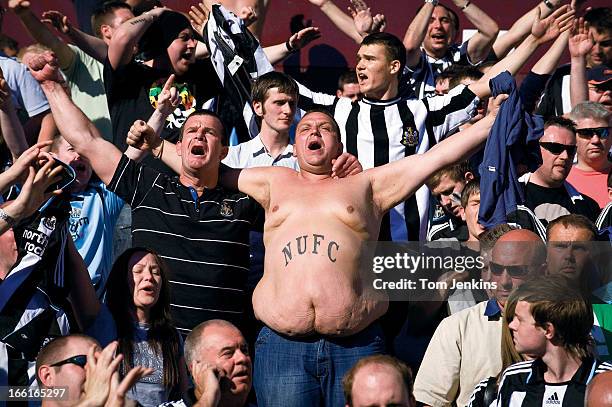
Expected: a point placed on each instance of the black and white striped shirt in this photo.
(204, 240)
(523, 385)
(378, 132)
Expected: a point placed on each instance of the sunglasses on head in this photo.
(557, 148)
(601, 132)
(79, 360)
(513, 271)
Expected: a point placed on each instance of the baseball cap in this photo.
(599, 75)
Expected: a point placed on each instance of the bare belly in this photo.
(319, 291)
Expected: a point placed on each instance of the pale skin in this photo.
(331, 299)
(321, 291)
(313, 292)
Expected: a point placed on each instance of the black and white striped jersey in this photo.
(523, 385)
(204, 240)
(378, 132)
(604, 220)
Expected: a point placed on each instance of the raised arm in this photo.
(415, 34)
(127, 36)
(542, 31)
(82, 293)
(276, 53)
(74, 126)
(41, 33)
(395, 182)
(340, 19)
(522, 28)
(93, 46)
(550, 60)
(580, 43)
(481, 43)
(10, 126)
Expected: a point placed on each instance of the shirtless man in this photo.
(318, 310)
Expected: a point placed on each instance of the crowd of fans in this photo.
(181, 224)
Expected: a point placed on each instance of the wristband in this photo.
(290, 48)
(467, 3)
(549, 4)
(7, 218)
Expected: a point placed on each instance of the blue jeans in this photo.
(308, 371)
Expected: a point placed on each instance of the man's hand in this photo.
(345, 165)
(580, 41)
(45, 68)
(198, 17)
(98, 374)
(57, 20)
(379, 23)
(362, 17)
(142, 136)
(18, 6)
(33, 191)
(248, 15)
(495, 105)
(206, 379)
(304, 37)
(550, 28)
(118, 390)
(168, 99)
(19, 170)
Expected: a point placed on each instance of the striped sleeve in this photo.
(308, 99)
(604, 219)
(132, 181)
(447, 112)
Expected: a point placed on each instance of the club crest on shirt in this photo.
(226, 210)
(410, 137)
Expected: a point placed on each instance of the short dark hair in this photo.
(553, 301)
(8, 42)
(328, 114)
(600, 18)
(573, 220)
(560, 121)
(384, 360)
(101, 15)
(273, 79)
(50, 352)
(471, 188)
(206, 112)
(457, 73)
(455, 172)
(490, 236)
(394, 48)
(347, 77)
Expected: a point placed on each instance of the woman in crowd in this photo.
(139, 300)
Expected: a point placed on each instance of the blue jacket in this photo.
(512, 140)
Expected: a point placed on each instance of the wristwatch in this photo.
(7, 218)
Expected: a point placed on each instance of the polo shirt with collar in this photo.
(464, 349)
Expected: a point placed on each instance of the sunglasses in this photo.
(601, 132)
(557, 148)
(79, 360)
(513, 271)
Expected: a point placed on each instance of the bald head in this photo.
(599, 391)
(521, 243)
